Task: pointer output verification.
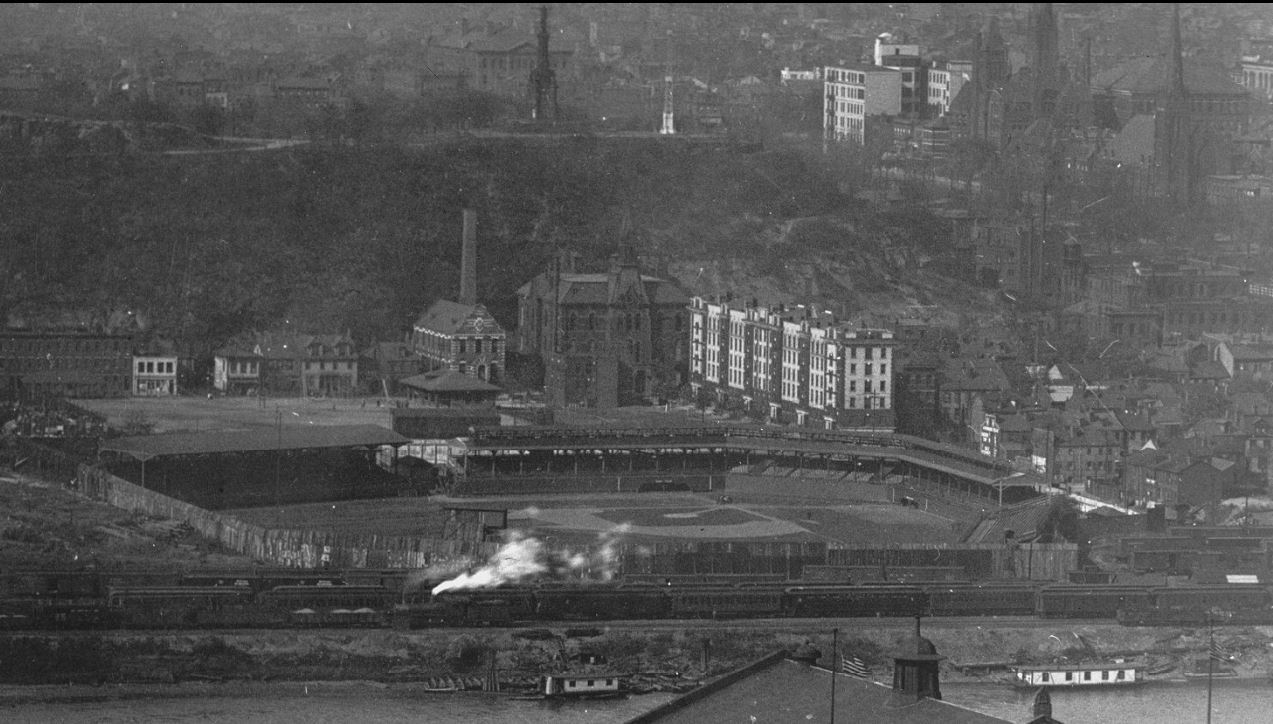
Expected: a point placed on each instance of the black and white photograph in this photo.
(636, 363)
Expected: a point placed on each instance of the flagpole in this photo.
(835, 654)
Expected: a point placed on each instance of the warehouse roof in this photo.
(145, 447)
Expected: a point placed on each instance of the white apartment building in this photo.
(792, 365)
(852, 94)
(945, 79)
(1257, 76)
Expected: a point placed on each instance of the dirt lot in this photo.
(200, 414)
(45, 526)
(194, 414)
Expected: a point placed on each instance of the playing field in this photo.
(782, 509)
(637, 517)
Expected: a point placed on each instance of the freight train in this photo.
(292, 599)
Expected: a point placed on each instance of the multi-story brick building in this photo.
(64, 364)
(607, 339)
(464, 338)
(154, 375)
(791, 365)
(495, 59)
(945, 79)
(855, 93)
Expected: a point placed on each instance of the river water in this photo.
(1233, 702)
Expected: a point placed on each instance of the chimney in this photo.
(468, 260)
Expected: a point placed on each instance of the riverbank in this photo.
(665, 660)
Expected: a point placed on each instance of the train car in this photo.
(600, 602)
(170, 606)
(853, 601)
(724, 602)
(1225, 597)
(261, 580)
(343, 596)
(334, 606)
(75, 616)
(54, 585)
(1094, 601)
(1193, 605)
(983, 599)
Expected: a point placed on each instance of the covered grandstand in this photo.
(262, 467)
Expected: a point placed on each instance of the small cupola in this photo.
(916, 668)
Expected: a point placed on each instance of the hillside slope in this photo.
(200, 249)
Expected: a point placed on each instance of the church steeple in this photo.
(990, 72)
(1046, 62)
(1174, 145)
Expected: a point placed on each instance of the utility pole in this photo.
(835, 649)
(278, 452)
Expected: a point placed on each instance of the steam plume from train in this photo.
(522, 557)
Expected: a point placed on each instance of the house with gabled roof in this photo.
(382, 365)
(236, 370)
(322, 365)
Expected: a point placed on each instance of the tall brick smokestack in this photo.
(468, 260)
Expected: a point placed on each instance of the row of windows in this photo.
(243, 367)
(151, 367)
(840, 75)
(335, 366)
(844, 91)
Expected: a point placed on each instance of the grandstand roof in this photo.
(145, 447)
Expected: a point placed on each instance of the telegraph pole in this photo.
(835, 648)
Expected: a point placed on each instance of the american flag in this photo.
(853, 666)
(1219, 654)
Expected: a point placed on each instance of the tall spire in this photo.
(1177, 54)
(543, 79)
(1046, 61)
(1175, 143)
